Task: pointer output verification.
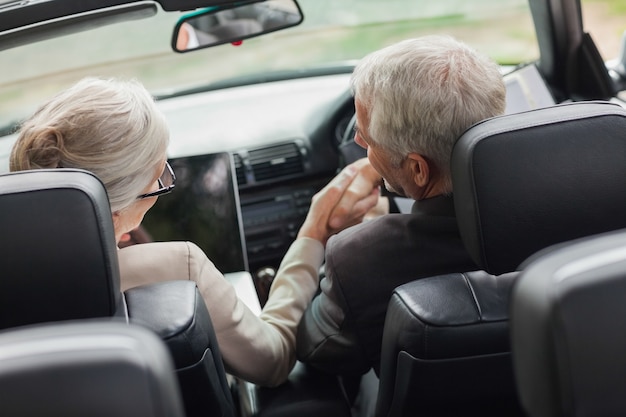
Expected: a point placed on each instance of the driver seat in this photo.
(522, 182)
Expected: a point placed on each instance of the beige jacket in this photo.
(259, 349)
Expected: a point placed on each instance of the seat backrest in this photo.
(86, 368)
(445, 348)
(527, 181)
(568, 321)
(59, 262)
(47, 218)
(176, 312)
(521, 182)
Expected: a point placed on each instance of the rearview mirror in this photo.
(218, 25)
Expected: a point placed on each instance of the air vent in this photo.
(276, 161)
(240, 170)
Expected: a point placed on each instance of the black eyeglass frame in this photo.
(163, 189)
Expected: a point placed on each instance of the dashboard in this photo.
(302, 111)
(284, 137)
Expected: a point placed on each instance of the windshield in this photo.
(333, 32)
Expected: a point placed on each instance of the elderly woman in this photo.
(114, 129)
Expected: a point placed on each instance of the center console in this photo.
(271, 220)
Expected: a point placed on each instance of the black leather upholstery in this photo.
(48, 218)
(527, 181)
(445, 348)
(183, 322)
(568, 321)
(86, 368)
(60, 263)
(522, 182)
(468, 299)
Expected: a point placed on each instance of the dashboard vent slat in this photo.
(239, 170)
(276, 161)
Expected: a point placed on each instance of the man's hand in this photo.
(343, 202)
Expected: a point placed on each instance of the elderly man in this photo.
(413, 100)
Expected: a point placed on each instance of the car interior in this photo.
(539, 197)
(73, 208)
(564, 307)
(448, 336)
(87, 367)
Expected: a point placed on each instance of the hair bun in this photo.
(40, 148)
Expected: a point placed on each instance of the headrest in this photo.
(525, 181)
(567, 329)
(88, 368)
(59, 258)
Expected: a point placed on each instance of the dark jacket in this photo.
(341, 331)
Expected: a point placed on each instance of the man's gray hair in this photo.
(422, 94)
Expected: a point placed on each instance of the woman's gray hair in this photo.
(422, 94)
(110, 127)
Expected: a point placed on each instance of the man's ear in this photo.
(420, 169)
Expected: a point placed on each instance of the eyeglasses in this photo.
(166, 181)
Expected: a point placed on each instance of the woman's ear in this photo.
(117, 217)
(420, 169)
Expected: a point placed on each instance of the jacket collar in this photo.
(441, 205)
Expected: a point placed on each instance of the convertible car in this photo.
(257, 98)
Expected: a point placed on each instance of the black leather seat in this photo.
(86, 368)
(176, 312)
(60, 263)
(446, 348)
(59, 259)
(568, 322)
(522, 182)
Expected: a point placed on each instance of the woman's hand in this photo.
(343, 202)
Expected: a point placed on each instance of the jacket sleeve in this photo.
(326, 339)
(262, 349)
(259, 349)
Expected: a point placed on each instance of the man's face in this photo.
(393, 177)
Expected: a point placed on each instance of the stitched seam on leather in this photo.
(426, 329)
(188, 261)
(471, 290)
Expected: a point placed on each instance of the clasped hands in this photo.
(343, 202)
